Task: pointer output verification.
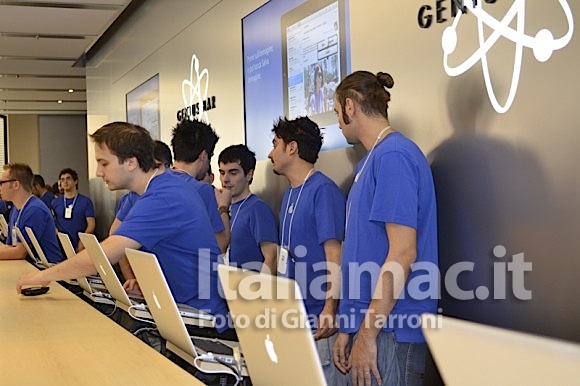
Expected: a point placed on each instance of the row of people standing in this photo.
(70, 212)
(388, 218)
(73, 212)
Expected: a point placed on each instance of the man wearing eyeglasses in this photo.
(28, 211)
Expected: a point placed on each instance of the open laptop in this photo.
(37, 262)
(273, 329)
(37, 247)
(468, 353)
(171, 326)
(92, 287)
(133, 305)
(3, 227)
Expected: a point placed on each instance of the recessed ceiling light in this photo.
(71, 90)
(59, 101)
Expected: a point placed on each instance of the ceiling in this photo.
(43, 46)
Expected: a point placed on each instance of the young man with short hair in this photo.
(311, 230)
(193, 144)
(39, 190)
(253, 230)
(73, 212)
(27, 211)
(163, 221)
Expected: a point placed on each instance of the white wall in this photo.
(539, 132)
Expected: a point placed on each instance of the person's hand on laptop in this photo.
(132, 287)
(31, 279)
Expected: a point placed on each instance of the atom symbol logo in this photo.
(542, 45)
(195, 88)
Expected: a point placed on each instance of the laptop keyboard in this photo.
(212, 346)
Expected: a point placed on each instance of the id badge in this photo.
(283, 261)
(68, 212)
(14, 241)
(226, 257)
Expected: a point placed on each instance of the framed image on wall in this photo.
(143, 105)
(295, 53)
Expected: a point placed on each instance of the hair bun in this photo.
(386, 80)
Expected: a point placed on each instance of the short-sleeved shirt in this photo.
(36, 215)
(310, 215)
(82, 208)
(208, 197)
(170, 221)
(395, 186)
(125, 204)
(252, 223)
(47, 198)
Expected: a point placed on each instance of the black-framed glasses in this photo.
(2, 182)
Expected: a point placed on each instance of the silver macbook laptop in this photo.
(468, 353)
(92, 287)
(37, 247)
(171, 325)
(273, 328)
(37, 262)
(3, 226)
(134, 305)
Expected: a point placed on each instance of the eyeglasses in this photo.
(2, 182)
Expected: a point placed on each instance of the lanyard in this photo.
(292, 210)
(21, 210)
(370, 152)
(238, 212)
(73, 203)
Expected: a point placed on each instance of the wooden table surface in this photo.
(58, 339)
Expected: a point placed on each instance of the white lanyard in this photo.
(73, 203)
(370, 152)
(357, 176)
(238, 212)
(292, 210)
(21, 210)
(17, 220)
(148, 182)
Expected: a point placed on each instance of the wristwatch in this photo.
(224, 209)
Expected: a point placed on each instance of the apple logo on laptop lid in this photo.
(270, 349)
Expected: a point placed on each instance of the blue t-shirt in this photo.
(252, 223)
(125, 204)
(170, 221)
(36, 216)
(82, 207)
(208, 197)
(47, 198)
(395, 186)
(310, 215)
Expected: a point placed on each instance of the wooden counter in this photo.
(58, 339)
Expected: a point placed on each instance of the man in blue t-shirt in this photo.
(27, 211)
(390, 247)
(168, 220)
(39, 190)
(253, 229)
(73, 212)
(311, 230)
(193, 144)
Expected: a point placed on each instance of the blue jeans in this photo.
(411, 360)
(386, 359)
(331, 373)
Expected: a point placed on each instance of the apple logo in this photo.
(270, 349)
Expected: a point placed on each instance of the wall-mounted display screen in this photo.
(294, 72)
(143, 105)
